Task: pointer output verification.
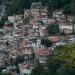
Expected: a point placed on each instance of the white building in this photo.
(37, 44)
(25, 69)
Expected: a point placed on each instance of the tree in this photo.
(5, 74)
(40, 70)
(53, 29)
(26, 20)
(19, 59)
(33, 55)
(2, 22)
(62, 60)
(7, 43)
(18, 6)
(46, 42)
(73, 7)
(67, 9)
(17, 70)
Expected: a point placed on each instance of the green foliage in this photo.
(53, 29)
(2, 22)
(72, 7)
(67, 9)
(62, 60)
(7, 43)
(46, 42)
(17, 70)
(39, 70)
(26, 20)
(19, 59)
(5, 74)
(17, 6)
(1, 68)
(33, 55)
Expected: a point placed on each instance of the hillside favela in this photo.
(37, 37)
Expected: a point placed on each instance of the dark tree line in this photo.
(17, 6)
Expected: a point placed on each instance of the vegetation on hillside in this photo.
(60, 62)
(46, 42)
(53, 29)
(18, 6)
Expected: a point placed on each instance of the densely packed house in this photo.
(21, 36)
